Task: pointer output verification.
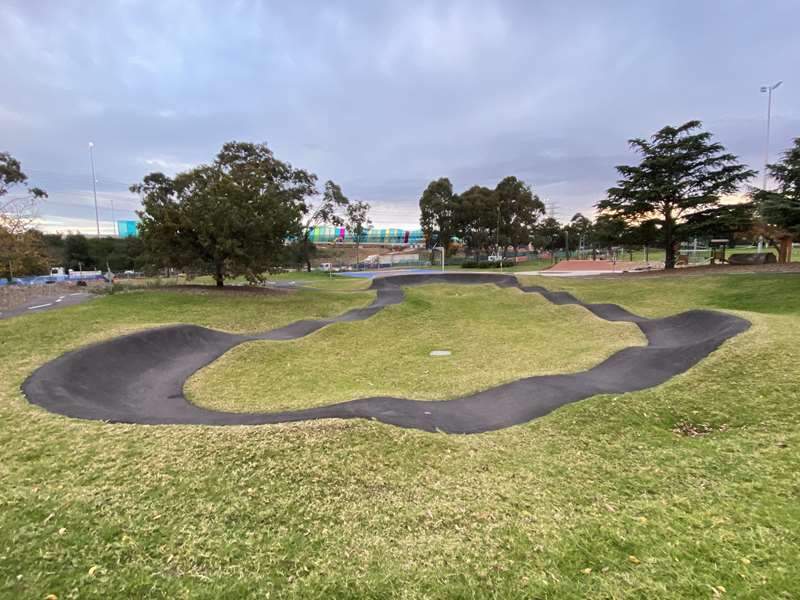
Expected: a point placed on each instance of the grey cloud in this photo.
(384, 96)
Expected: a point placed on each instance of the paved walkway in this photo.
(46, 303)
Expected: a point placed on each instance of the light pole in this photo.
(113, 219)
(94, 188)
(767, 89)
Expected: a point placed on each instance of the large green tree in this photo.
(229, 218)
(519, 210)
(681, 172)
(548, 234)
(475, 218)
(436, 212)
(780, 208)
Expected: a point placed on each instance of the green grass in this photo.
(495, 336)
(601, 499)
(661, 296)
(316, 279)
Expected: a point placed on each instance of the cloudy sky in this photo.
(383, 96)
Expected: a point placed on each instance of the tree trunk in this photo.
(219, 277)
(307, 252)
(669, 250)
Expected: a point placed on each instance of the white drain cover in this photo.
(440, 353)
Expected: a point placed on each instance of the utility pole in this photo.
(552, 209)
(94, 188)
(767, 89)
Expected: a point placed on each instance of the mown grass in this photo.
(655, 296)
(316, 279)
(601, 499)
(495, 336)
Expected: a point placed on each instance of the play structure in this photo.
(139, 378)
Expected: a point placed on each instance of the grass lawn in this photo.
(687, 490)
(315, 279)
(495, 336)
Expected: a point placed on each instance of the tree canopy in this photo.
(474, 217)
(229, 218)
(780, 208)
(519, 211)
(481, 217)
(680, 173)
(436, 212)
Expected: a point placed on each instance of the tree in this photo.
(548, 234)
(780, 209)
(325, 213)
(357, 223)
(436, 213)
(474, 217)
(76, 252)
(17, 212)
(579, 229)
(681, 172)
(519, 210)
(725, 221)
(229, 218)
(608, 231)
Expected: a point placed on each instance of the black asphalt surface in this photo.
(46, 303)
(139, 378)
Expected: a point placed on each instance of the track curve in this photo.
(139, 378)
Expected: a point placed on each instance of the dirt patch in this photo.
(688, 429)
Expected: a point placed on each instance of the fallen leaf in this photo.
(633, 559)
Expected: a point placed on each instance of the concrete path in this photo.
(46, 303)
(139, 378)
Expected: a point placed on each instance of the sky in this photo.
(382, 97)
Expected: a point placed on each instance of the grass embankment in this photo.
(606, 498)
(495, 336)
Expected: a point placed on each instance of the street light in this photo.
(94, 188)
(767, 89)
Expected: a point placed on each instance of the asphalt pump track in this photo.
(139, 378)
